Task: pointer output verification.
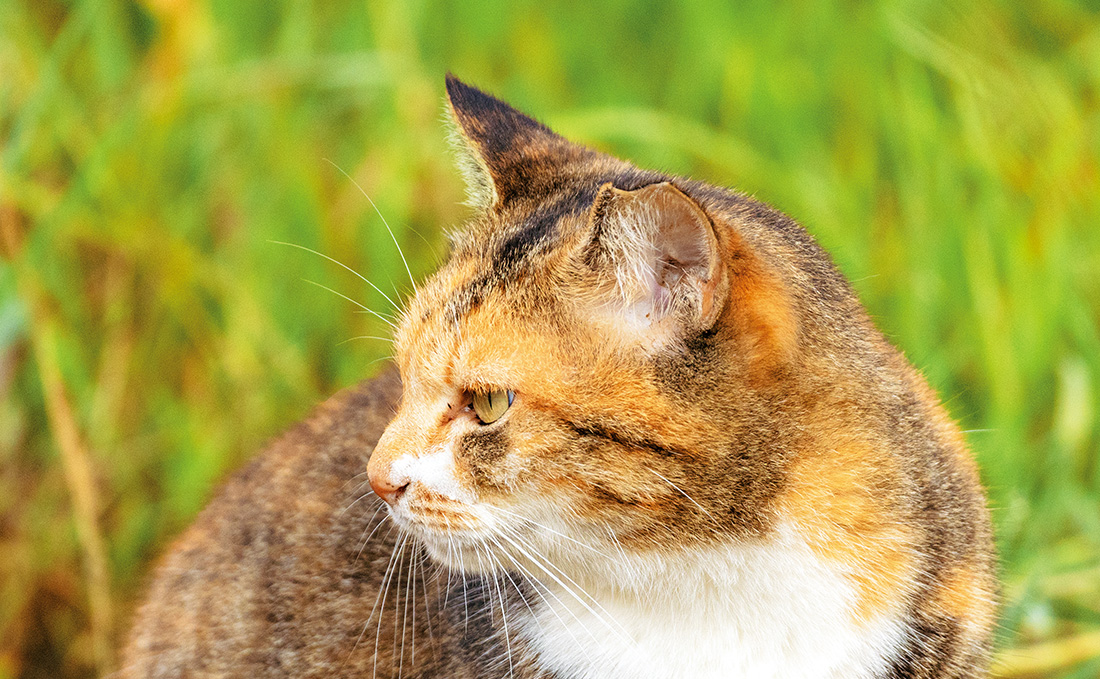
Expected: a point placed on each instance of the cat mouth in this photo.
(454, 539)
(482, 538)
(468, 537)
(433, 517)
(444, 521)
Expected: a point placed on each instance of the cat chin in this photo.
(463, 557)
(456, 541)
(488, 554)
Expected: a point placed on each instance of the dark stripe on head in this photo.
(601, 433)
(520, 249)
(535, 234)
(520, 246)
(608, 495)
(539, 233)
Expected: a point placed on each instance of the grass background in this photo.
(152, 336)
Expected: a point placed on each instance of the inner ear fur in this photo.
(664, 254)
(673, 264)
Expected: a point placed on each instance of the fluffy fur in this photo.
(713, 466)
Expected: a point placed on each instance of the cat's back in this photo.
(279, 574)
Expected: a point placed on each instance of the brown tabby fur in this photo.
(761, 393)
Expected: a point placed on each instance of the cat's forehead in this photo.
(471, 302)
(504, 285)
(497, 340)
(514, 244)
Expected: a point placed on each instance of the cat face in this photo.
(597, 368)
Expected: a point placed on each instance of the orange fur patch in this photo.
(761, 304)
(836, 499)
(966, 595)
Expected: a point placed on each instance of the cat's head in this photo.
(605, 363)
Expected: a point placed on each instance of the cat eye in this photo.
(489, 406)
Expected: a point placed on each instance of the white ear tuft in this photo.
(664, 258)
(480, 192)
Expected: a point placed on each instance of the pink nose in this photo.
(387, 488)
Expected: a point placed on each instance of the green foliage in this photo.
(153, 156)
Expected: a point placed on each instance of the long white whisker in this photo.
(382, 217)
(465, 600)
(385, 319)
(359, 337)
(535, 584)
(410, 581)
(354, 502)
(615, 541)
(379, 596)
(519, 592)
(681, 491)
(366, 540)
(550, 530)
(362, 473)
(427, 599)
(400, 550)
(540, 565)
(345, 266)
(481, 571)
(526, 575)
(503, 613)
(396, 621)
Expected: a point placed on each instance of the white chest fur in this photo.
(772, 610)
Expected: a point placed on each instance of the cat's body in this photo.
(646, 431)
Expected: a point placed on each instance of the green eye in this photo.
(491, 405)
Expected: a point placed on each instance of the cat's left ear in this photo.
(664, 257)
(501, 151)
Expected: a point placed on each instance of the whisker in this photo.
(363, 473)
(550, 530)
(481, 570)
(410, 582)
(356, 501)
(535, 584)
(681, 491)
(450, 557)
(386, 587)
(345, 266)
(503, 613)
(427, 599)
(385, 319)
(379, 360)
(542, 565)
(465, 601)
(359, 337)
(401, 620)
(615, 541)
(381, 595)
(382, 217)
(366, 540)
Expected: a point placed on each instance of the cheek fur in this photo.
(482, 451)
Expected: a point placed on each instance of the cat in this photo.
(638, 426)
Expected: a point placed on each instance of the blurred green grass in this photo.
(947, 154)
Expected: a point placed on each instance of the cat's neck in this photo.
(783, 612)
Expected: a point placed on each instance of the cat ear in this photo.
(499, 148)
(663, 253)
